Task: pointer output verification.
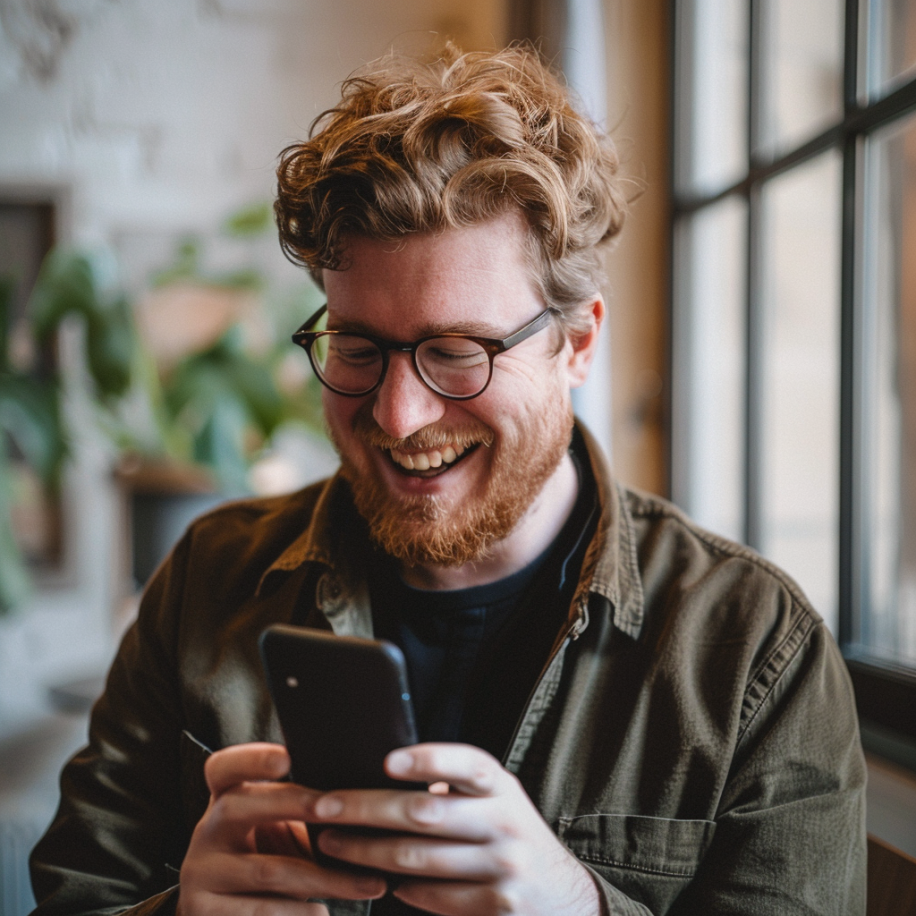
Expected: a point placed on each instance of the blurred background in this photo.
(758, 364)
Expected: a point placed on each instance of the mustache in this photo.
(425, 439)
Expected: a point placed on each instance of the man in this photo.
(619, 713)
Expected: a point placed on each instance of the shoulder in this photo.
(708, 597)
(268, 520)
(226, 552)
(722, 622)
(673, 548)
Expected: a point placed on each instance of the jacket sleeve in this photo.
(119, 831)
(790, 828)
(615, 902)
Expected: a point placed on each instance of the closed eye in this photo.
(353, 351)
(455, 354)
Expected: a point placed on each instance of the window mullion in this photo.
(754, 324)
(851, 68)
(854, 462)
(754, 394)
(757, 102)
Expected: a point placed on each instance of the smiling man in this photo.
(445, 480)
(619, 713)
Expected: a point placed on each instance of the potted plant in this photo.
(31, 387)
(191, 381)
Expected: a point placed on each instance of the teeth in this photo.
(404, 460)
(423, 461)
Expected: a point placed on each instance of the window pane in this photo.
(892, 43)
(889, 623)
(712, 91)
(800, 358)
(803, 74)
(710, 381)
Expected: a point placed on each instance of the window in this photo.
(794, 357)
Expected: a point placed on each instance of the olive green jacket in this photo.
(692, 738)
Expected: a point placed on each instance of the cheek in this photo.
(487, 411)
(526, 390)
(339, 411)
(339, 417)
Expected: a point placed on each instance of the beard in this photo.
(436, 529)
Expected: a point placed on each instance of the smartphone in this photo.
(343, 704)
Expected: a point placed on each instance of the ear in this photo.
(584, 345)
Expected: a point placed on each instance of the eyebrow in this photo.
(429, 330)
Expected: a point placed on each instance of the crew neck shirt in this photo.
(475, 654)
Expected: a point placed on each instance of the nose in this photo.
(404, 403)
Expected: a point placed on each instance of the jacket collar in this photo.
(337, 540)
(610, 567)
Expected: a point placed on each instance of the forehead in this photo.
(474, 279)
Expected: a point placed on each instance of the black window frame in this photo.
(885, 693)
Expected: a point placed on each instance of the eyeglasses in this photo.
(457, 366)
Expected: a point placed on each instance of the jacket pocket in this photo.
(657, 845)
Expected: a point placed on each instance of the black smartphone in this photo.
(343, 704)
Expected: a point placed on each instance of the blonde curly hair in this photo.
(423, 146)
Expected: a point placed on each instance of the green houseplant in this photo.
(214, 405)
(31, 416)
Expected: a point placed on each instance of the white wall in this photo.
(156, 119)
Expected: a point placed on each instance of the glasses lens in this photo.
(454, 365)
(347, 362)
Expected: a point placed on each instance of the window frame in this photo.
(885, 693)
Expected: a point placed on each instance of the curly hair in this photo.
(422, 146)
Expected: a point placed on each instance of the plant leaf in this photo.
(30, 414)
(253, 386)
(248, 278)
(15, 583)
(252, 220)
(186, 265)
(7, 289)
(65, 284)
(222, 370)
(110, 342)
(220, 443)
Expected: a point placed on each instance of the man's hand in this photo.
(249, 852)
(481, 849)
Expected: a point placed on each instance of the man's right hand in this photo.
(251, 848)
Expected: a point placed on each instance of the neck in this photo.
(534, 533)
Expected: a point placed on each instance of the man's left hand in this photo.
(482, 848)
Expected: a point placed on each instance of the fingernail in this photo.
(328, 806)
(400, 763)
